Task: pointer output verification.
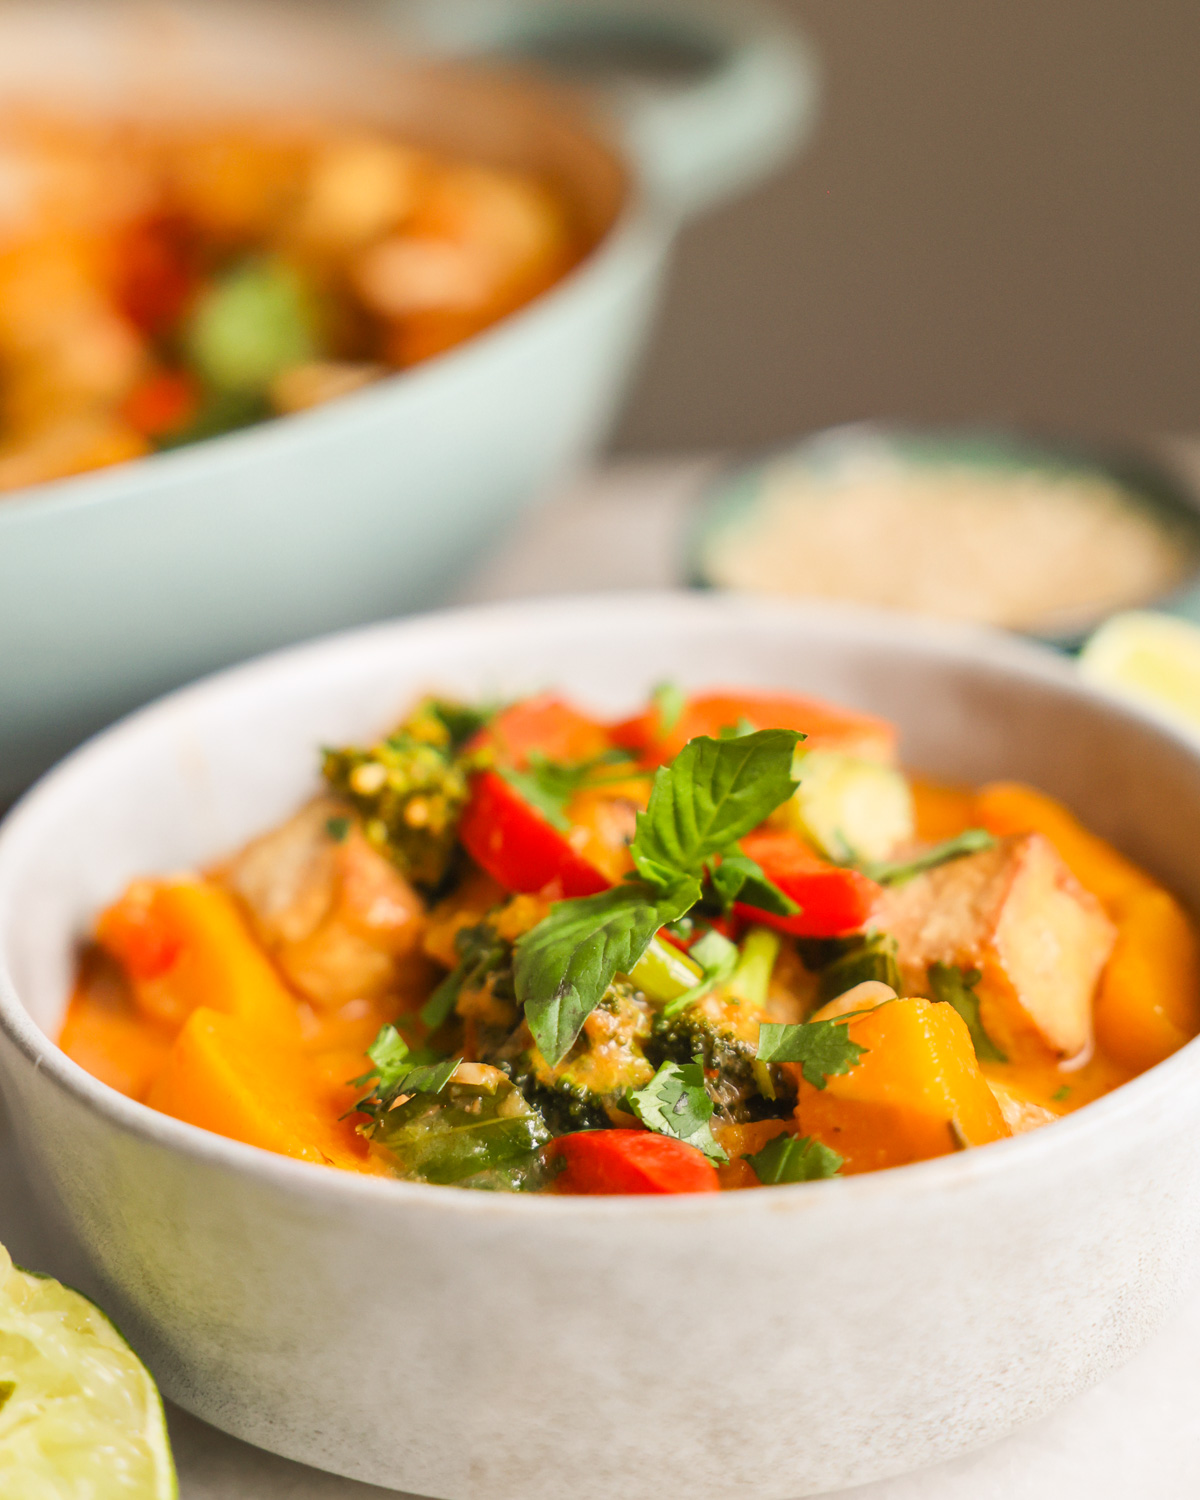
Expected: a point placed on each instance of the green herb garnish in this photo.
(822, 1048)
(480, 953)
(670, 701)
(1060, 1096)
(713, 793)
(786, 1158)
(399, 1070)
(676, 1102)
(549, 785)
(718, 960)
(337, 829)
(954, 986)
(896, 872)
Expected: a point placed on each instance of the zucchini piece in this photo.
(852, 810)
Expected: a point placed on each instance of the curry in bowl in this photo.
(723, 944)
(162, 283)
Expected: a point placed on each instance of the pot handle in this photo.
(712, 94)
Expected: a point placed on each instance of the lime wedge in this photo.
(1150, 658)
(80, 1417)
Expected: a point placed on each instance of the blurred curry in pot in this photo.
(160, 284)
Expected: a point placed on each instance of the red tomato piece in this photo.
(832, 901)
(509, 839)
(163, 403)
(154, 278)
(630, 1161)
(827, 726)
(548, 725)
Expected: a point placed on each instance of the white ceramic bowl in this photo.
(119, 584)
(463, 1344)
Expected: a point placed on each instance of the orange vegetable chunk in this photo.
(184, 944)
(1005, 807)
(227, 1076)
(917, 1092)
(1149, 1000)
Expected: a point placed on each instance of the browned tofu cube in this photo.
(339, 919)
(1016, 913)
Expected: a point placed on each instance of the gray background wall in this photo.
(999, 217)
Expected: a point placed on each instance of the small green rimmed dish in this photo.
(1042, 536)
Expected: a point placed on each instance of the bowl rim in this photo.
(1034, 663)
(636, 227)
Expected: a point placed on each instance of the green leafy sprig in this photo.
(548, 785)
(399, 1070)
(954, 986)
(896, 872)
(822, 1048)
(676, 1102)
(712, 794)
(787, 1158)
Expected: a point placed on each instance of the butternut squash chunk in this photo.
(917, 1092)
(225, 1075)
(183, 944)
(1149, 1000)
(1008, 807)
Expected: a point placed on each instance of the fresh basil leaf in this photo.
(676, 1102)
(565, 964)
(895, 872)
(787, 1159)
(712, 793)
(739, 878)
(669, 700)
(822, 1048)
(954, 986)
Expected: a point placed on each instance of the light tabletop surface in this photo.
(1135, 1437)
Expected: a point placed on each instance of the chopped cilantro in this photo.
(786, 1158)
(337, 829)
(896, 872)
(954, 986)
(676, 1102)
(822, 1048)
(669, 700)
(399, 1070)
(1060, 1096)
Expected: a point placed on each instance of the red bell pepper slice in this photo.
(832, 901)
(155, 279)
(827, 726)
(630, 1161)
(545, 724)
(509, 839)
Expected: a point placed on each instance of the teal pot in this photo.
(120, 583)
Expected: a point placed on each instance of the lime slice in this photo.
(80, 1417)
(1150, 658)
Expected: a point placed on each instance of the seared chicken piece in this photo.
(1016, 913)
(340, 921)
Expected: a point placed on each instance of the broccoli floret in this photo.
(590, 1084)
(724, 1035)
(410, 788)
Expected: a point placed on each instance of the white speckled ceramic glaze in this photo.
(119, 584)
(769, 1344)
